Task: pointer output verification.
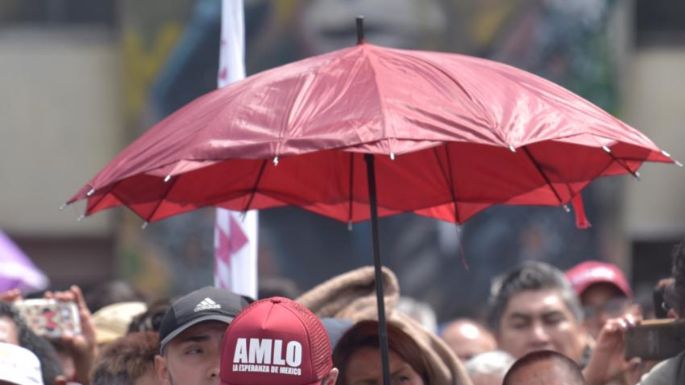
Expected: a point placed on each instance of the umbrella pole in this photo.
(382, 324)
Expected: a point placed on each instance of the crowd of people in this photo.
(543, 326)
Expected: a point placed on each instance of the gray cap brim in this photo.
(209, 317)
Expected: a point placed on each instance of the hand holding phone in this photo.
(50, 318)
(657, 339)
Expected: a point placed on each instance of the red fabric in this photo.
(579, 208)
(466, 133)
(294, 343)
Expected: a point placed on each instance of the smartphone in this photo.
(657, 339)
(50, 318)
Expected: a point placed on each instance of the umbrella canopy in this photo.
(458, 134)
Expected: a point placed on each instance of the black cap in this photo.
(206, 304)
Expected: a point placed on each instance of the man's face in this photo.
(8, 331)
(602, 302)
(192, 358)
(540, 320)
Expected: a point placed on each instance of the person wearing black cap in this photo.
(190, 336)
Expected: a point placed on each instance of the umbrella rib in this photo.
(102, 196)
(542, 173)
(622, 163)
(171, 183)
(449, 178)
(256, 184)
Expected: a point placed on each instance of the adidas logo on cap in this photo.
(206, 304)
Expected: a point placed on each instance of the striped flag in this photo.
(235, 234)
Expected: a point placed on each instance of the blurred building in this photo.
(74, 78)
(653, 100)
(61, 104)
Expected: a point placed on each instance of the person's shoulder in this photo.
(665, 372)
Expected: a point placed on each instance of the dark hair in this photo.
(277, 287)
(678, 272)
(151, 319)
(570, 367)
(110, 292)
(365, 334)
(663, 297)
(50, 365)
(126, 359)
(529, 276)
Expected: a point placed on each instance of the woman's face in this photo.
(364, 368)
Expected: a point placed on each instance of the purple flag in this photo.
(17, 270)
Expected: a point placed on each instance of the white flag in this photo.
(235, 234)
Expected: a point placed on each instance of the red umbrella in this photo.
(456, 134)
(450, 135)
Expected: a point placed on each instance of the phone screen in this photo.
(50, 318)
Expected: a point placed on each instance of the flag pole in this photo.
(235, 233)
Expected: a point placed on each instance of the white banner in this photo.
(235, 233)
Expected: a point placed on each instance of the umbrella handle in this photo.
(382, 323)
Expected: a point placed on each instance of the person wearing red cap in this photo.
(276, 341)
(604, 293)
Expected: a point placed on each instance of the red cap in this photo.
(275, 341)
(585, 274)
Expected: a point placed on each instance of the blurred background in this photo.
(80, 79)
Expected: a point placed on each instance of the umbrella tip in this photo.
(80, 218)
(90, 192)
(167, 178)
(276, 160)
(392, 156)
(349, 225)
(63, 206)
(607, 149)
(360, 29)
(144, 225)
(566, 208)
(637, 175)
(675, 161)
(512, 148)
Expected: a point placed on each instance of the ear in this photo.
(331, 377)
(162, 370)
